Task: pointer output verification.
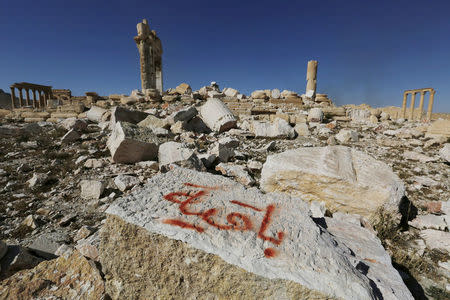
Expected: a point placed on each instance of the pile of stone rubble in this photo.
(180, 195)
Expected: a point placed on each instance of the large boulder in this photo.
(129, 143)
(206, 236)
(278, 129)
(445, 152)
(346, 179)
(173, 152)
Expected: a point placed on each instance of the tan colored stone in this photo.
(439, 127)
(183, 88)
(67, 277)
(142, 265)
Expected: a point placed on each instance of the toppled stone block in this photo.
(359, 115)
(125, 182)
(184, 114)
(95, 114)
(278, 129)
(241, 242)
(436, 239)
(275, 94)
(173, 152)
(230, 92)
(121, 114)
(412, 155)
(259, 94)
(91, 189)
(302, 129)
(217, 116)
(70, 137)
(346, 179)
(315, 115)
(346, 135)
(75, 124)
(129, 143)
(183, 88)
(236, 171)
(151, 122)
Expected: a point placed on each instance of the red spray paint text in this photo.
(235, 221)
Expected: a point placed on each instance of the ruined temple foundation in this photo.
(150, 52)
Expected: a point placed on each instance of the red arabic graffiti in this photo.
(236, 221)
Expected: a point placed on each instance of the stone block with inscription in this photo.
(188, 234)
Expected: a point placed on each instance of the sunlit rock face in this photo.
(187, 234)
(345, 179)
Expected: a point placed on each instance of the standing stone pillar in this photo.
(35, 102)
(430, 105)
(13, 97)
(159, 79)
(27, 95)
(422, 95)
(405, 99)
(20, 97)
(145, 52)
(411, 108)
(311, 78)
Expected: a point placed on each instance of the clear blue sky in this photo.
(368, 51)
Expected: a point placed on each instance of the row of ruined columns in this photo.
(37, 102)
(413, 98)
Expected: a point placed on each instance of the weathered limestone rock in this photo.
(71, 136)
(445, 152)
(184, 114)
(91, 189)
(259, 94)
(236, 171)
(436, 239)
(228, 242)
(217, 116)
(429, 222)
(95, 114)
(439, 127)
(129, 143)
(172, 152)
(302, 129)
(124, 182)
(121, 114)
(15, 259)
(229, 92)
(278, 129)
(288, 94)
(183, 88)
(359, 115)
(151, 122)
(346, 135)
(38, 179)
(315, 115)
(345, 179)
(412, 155)
(67, 277)
(75, 124)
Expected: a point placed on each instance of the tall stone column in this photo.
(411, 108)
(20, 97)
(405, 99)
(430, 105)
(311, 78)
(35, 102)
(159, 79)
(422, 95)
(27, 95)
(143, 43)
(13, 97)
